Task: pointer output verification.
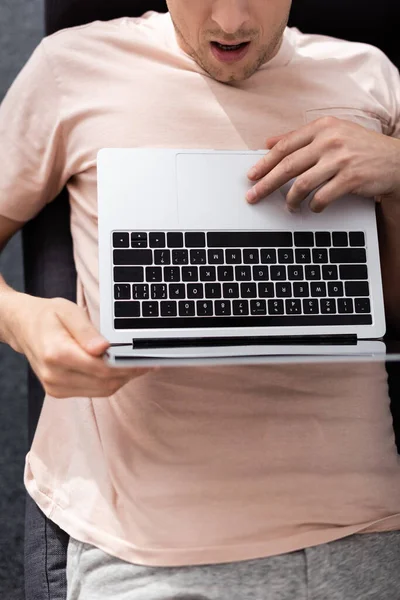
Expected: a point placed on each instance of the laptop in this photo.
(191, 274)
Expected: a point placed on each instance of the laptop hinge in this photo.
(349, 339)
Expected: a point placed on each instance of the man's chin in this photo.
(229, 75)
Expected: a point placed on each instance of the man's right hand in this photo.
(64, 349)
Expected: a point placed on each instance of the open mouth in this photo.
(229, 52)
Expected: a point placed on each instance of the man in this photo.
(225, 483)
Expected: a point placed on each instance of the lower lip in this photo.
(229, 56)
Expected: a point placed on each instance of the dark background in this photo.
(21, 28)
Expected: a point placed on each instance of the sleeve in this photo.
(392, 79)
(32, 152)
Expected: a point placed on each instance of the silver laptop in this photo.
(190, 273)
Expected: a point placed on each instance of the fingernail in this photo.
(251, 195)
(96, 342)
(292, 209)
(252, 174)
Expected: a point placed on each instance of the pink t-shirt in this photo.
(196, 465)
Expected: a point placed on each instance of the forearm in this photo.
(8, 311)
(388, 214)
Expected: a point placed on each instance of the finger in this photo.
(270, 143)
(78, 325)
(69, 356)
(285, 146)
(308, 182)
(288, 168)
(328, 193)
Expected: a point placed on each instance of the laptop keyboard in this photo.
(179, 279)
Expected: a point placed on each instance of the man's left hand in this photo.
(335, 155)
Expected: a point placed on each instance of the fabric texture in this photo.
(196, 466)
(360, 567)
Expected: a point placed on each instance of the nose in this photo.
(230, 15)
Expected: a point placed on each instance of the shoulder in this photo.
(113, 33)
(350, 65)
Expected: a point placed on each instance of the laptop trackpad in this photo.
(212, 194)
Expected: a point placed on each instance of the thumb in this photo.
(77, 323)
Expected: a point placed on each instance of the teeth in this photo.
(229, 47)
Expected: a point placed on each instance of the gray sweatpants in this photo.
(360, 567)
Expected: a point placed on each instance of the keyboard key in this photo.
(216, 257)
(357, 238)
(348, 255)
(150, 309)
(293, 307)
(330, 273)
(358, 272)
(138, 240)
(258, 307)
(195, 290)
(133, 257)
(187, 309)
(128, 274)
(328, 306)
(177, 291)
(285, 257)
(223, 308)
(153, 274)
(310, 307)
(362, 305)
(339, 238)
(318, 289)
(251, 257)
(313, 273)
(335, 289)
(198, 257)
(169, 309)
(190, 274)
(175, 239)
(301, 290)
(195, 239)
(323, 239)
(204, 308)
(208, 274)
(295, 273)
(225, 273)
(243, 273)
(248, 290)
(260, 273)
(121, 239)
(240, 307)
(127, 309)
(122, 291)
(356, 288)
(345, 306)
(268, 256)
(157, 240)
(172, 274)
(159, 291)
(304, 239)
(303, 257)
(271, 320)
(278, 273)
(249, 239)
(213, 290)
(320, 255)
(233, 257)
(266, 290)
(140, 291)
(276, 307)
(283, 290)
(230, 290)
(162, 257)
(180, 257)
